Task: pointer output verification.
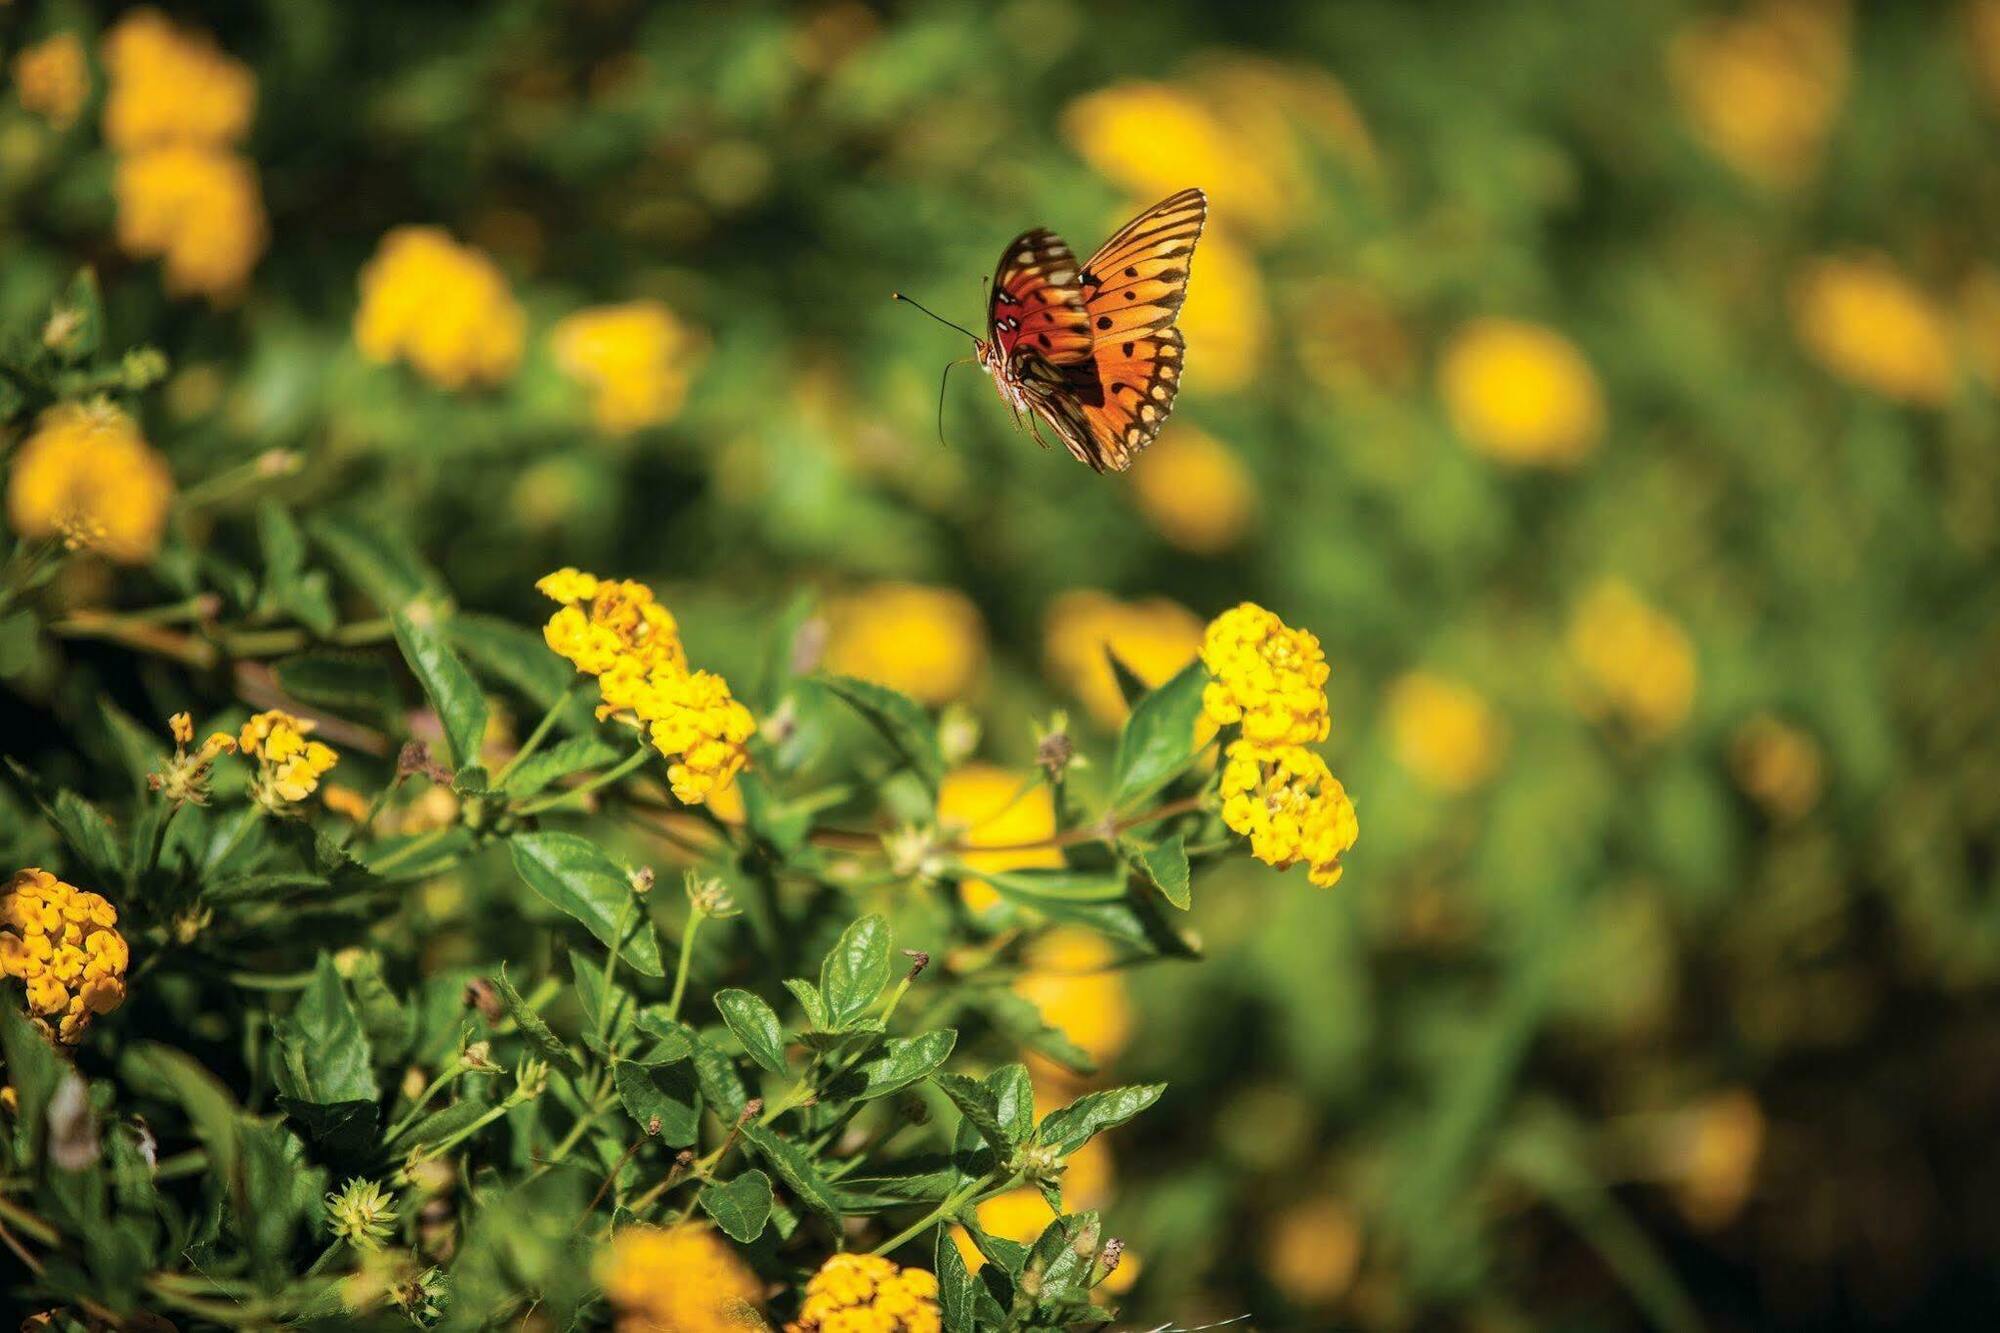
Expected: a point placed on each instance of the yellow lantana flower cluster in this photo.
(1195, 491)
(1631, 660)
(1443, 731)
(1153, 637)
(52, 78)
(636, 359)
(1760, 88)
(184, 778)
(85, 475)
(289, 766)
(443, 307)
(1271, 680)
(865, 1293)
(615, 630)
(1863, 319)
(63, 942)
(680, 1279)
(1521, 393)
(927, 642)
(176, 110)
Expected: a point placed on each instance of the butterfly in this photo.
(1091, 348)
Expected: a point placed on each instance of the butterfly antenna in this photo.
(898, 296)
(941, 388)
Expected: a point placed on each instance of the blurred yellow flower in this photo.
(1778, 765)
(52, 78)
(927, 642)
(636, 359)
(1152, 637)
(982, 805)
(1267, 677)
(1194, 490)
(1521, 393)
(289, 766)
(1290, 806)
(1068, 974)
(443, 307)
(85, 475)
(865, 1293)
(1631, 661)
(1760, 89)
(197, 208)
(1862, 319)
(1443, 732)
(1226, 318)
(1313, 1251)
(679, 1279)
(1712, 1153)
(172, 86)
(63, 944)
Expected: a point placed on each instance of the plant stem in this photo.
(695, 918)
(605, 1014)
(943, 1212)
(604, 779)
(422, 842)
(541, 731)
(409, 1118)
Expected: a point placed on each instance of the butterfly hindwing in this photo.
(1136, 281)
(1037, 302)
(1138, 379)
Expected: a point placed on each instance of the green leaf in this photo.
(325, 1074)
(573, 876)
(1158, 740)
(955, 1287)
(387, 1022)
(666, 1093)
(980, 1108)
(450, 687)
(341, 681)
(855, 971)
(33, 1070)
(903, 1061)
(287, 585)
(19, 633)
(1013, 1099)
(740, 1207)
(1074, 1125)
(607, 1006)
(795, 1169)
(1058, 886)
(519, 657)
(539, 1036)
(440, 1125)
(174, 1075)
(558, 761)
(1022, 1023)
(375, 560)
(88, 833)
(1166, 867)
(671, 1040)
(901, 721)
(719, 1080)
(809, 1000)
(1059, 1262)
(755, 1025)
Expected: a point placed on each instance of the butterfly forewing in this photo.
(1037, 303)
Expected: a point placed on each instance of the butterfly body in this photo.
(1090, 348)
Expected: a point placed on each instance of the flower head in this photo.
(1520, 393)
(443, 307)
(362, 1213)
(1195, 491)
(1862, 319)
(1443, 732)
(1152, 638)
(63, 943)
(636, 359)
(680, 1279)
(1631, 660)
(52, 78)
(866, 1293)
(695, 721)
(86, 475)
(927, 642)
(289, 766)
(1269, 678)
(172, 86)
(1290, 807)
(1760, 88)
(184, 778)
(198, 209)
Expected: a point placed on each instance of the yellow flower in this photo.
(636, 359)
(1711, 1153)
(1520, 393)
(442, 307)
(1290, 807)
(1153, 638)
(1632, 661)
(1267, 677)
(184, 778)
(171, 86)
(1862, 319)
(1195, 490)
(680, 1279)
(1778, 765)
(865, 1293)
(1314, 1251)
(1226, 317)
(85, 475)
(52, 78)
(927, 642)
(197, 208)
(613, 629)
(694, 716)
(1760, 89)
(62, 942)
(1068, 974)
(981, 805)
(289, 766)
(1443, 732)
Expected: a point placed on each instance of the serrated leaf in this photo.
(901, 721)
(795, 1169)
(755, 1025)
(903, 1061)
(980, 1108)
(809, 1000)
(1013, 1099)
(955, 1289)
(325, 1075)
(741, 1207)
(1158, 740)
(574, 755)
(667, 1093)
(453, 692)
(1166, 867)
(1072, 1126)
(720, 1082)
(538, 1034)
(1060, 1261)
(573, 876)
(855, 970)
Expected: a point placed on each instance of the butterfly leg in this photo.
(1034, 428)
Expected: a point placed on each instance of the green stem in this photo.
(367, 821)
(604, 779)
(422, 842)
(605, 1014)
(945, 1210)
(541, 731)
(695, 919)
(326, 1256)
(409, 1118)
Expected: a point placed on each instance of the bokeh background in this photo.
(1611, 387)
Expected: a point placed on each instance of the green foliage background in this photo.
(1471, 1040)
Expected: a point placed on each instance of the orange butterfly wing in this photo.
(1036, 310)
